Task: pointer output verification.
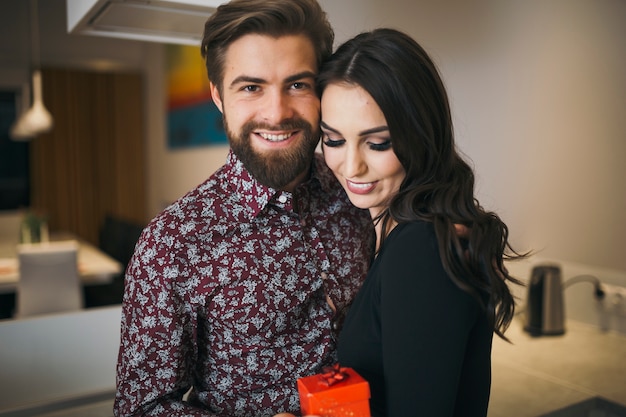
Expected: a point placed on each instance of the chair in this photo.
(117, 239)
(49, 280)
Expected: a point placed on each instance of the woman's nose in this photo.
(354, 164)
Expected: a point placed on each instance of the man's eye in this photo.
(299, 85)
(251, 88)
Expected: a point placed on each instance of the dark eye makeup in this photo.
(386, 145)
(331, 143)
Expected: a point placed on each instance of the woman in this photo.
(421, 327)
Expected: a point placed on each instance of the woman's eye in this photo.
(332, 143)
(383, 146)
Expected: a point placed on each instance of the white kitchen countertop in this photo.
(536, 375)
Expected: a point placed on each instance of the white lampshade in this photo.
(35, 120)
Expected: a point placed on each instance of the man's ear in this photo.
(215, 95)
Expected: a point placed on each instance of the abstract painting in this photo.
(192, 117)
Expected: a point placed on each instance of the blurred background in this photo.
(538, 94)
(538, 91)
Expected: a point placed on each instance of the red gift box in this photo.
(338, 392)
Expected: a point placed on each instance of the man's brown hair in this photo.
(274, 18)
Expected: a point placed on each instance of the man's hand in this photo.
(462, 231)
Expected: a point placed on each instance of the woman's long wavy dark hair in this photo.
(439, 185)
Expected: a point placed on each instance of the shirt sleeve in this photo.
(426, 323)
(157, 347)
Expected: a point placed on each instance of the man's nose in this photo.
(277, 107)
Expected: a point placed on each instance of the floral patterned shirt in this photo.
(226, 294)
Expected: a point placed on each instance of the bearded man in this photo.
(238, 288)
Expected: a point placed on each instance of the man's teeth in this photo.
(275, 138)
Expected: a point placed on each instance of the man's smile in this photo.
(273, 137)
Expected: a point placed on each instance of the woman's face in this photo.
(357, 147)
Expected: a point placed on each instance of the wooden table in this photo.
(94, 266)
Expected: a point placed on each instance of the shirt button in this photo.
(324, 275)
(302, 222)
(282, 199)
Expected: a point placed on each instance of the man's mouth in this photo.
(276, 137)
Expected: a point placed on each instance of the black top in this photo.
(423, 344)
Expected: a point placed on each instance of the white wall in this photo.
(538, 93)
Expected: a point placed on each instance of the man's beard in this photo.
(275, 168)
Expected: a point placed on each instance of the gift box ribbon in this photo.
(332, 374)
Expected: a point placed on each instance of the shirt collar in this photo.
(256, 196)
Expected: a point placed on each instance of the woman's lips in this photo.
(360, 187)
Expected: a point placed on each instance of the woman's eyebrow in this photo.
(366, 132)
(374, 130)
(325, 126)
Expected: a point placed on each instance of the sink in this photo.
(593, 407)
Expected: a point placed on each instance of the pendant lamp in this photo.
(37, 119)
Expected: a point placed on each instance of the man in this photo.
(237, 289)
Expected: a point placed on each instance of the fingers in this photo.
(462, 231)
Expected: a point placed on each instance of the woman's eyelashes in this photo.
(377, 145)
(332, 143)
(381, 146)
